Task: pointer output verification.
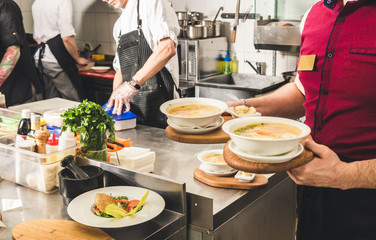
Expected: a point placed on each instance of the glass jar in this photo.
(94, 145)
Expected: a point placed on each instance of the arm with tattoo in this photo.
(8, 62)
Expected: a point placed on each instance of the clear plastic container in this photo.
(30, 169)
(9, 121)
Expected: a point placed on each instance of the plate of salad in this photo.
(116, 207)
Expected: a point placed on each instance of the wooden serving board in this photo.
(57, 229)
(260, 181)
(236, 162)
(217, 136)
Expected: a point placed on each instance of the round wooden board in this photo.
(260, 181)
(57, 229)
(217, 136)
(238, 163)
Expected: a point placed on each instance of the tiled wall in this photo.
(94, 20)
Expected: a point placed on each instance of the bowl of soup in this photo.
(266, 135)
(193, 112)
(212, 160)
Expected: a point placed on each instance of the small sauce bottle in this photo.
(24, 126)
(35, 125)
(51, 147)
(219, 60)
(227, 64)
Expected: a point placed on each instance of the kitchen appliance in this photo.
(197, 58)
(277, 35)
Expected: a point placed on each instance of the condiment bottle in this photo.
(35, 125)
(66, 140)
(24, 126)
(234, 65)
(219, 60)
(227, 64)
(52, 146)
(41, 138)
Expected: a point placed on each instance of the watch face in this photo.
(134, 84)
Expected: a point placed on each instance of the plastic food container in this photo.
(8, 121)
(30, 169)
(54, 120)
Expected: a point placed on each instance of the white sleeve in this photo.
(163, 21)
(65, 18)
(115, 34)
(302, 23)
(298, 84)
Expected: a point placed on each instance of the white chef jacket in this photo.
(159, 21)
(52, 17)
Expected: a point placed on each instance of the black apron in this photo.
(65, 60)
(134, 51)
(330, 214)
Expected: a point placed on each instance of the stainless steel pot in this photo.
(210, 27)
(217, 25)
(194, 32)
(182, 15)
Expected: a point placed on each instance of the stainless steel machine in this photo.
(197, 58)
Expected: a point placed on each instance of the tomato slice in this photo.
(133, 203)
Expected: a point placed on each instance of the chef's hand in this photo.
(325, 169)
(235, 103)
(82, 61)
(120, 97)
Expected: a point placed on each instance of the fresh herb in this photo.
(93, 124)
(103, 214)
(121, 197)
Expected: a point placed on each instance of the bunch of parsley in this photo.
(88, 119)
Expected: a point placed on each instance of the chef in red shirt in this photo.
(335, 89)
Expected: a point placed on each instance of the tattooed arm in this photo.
(8, 62)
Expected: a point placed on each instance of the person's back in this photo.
(57, 54)
(49, 22)
(17, 86)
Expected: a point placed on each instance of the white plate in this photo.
(266, 159)
(79, 209)
(101, 69)
(196, 130)
(235, 115)
(218, 173)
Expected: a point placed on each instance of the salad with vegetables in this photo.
(109, 206)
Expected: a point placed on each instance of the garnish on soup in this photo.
(193, 110)
(214, 158)
(269, 131)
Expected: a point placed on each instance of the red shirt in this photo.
(341, 90)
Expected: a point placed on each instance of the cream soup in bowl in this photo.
(269, 131)
(192, 111)
(265, 135)
(212, 160)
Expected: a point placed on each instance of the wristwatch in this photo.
(134, 84)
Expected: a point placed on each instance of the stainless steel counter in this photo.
(212, 213)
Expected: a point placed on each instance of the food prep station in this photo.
(193, 209)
